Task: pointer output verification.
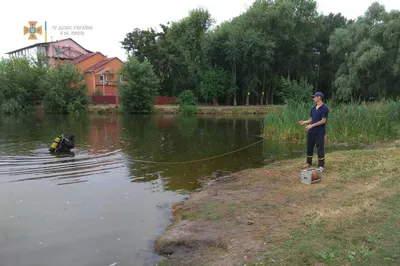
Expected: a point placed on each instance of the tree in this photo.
(65, 90)
(140, 86)
(188, 36)
(17, 85)
(370, 49)
(213, 83)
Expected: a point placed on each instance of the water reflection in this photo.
(177, 139)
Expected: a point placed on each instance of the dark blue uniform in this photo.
(316, 135)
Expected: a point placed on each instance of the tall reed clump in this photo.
(350, 123)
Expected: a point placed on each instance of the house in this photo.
(101, 76)
(63, 50)
(101, 73)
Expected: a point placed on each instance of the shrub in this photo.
(188, 109)
(139, 87)
(98, 93)
(187, 97)
(293, 92)
(187, 102)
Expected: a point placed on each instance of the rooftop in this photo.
(100, 64)
(84, 57)
(44, 44)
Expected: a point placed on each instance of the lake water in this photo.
(101, 206)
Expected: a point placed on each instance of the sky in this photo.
(108, 22)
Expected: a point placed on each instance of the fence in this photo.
(105, 99)
(164, 100)
(114, 100)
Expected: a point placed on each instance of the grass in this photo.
(360, 227)
(346, 123)
(370, 238)
(266, 217)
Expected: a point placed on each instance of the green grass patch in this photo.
(351, 123)
(373, 238)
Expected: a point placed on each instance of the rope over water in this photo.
(200, 160)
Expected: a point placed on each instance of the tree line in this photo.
(277, 49)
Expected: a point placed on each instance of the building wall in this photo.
(112, 79)
(72, 50)
(31, 52)
(89, 78)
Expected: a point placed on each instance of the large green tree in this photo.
(65, 90)
(139, 87)
(370, 51)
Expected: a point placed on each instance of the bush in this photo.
(187, 97)
(18, 85)
(295, 93)
(188, 109)
(187, 102)
(65, 90)
(139, 88)
(11, 106)
(98, 93)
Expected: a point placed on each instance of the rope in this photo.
(200, 160)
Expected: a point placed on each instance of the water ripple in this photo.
(47, 166)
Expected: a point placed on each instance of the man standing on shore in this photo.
(316, 131)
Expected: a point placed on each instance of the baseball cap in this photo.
(320, 94)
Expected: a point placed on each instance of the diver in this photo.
(62, 145)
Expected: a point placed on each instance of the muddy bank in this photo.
(249, 217)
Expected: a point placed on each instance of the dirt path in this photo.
(251, 216)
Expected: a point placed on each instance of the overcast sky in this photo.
(112, 20)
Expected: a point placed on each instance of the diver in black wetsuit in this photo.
(63, 144)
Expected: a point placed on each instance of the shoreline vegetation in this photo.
(174, 109)
(347, 123)
(265, 216)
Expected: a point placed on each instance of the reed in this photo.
(347, 123)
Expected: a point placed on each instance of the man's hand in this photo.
(309, 127)
(301, 123)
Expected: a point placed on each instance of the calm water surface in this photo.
(100, 206)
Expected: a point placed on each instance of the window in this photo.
(103, 78)
(121, 78)
(42, 50)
